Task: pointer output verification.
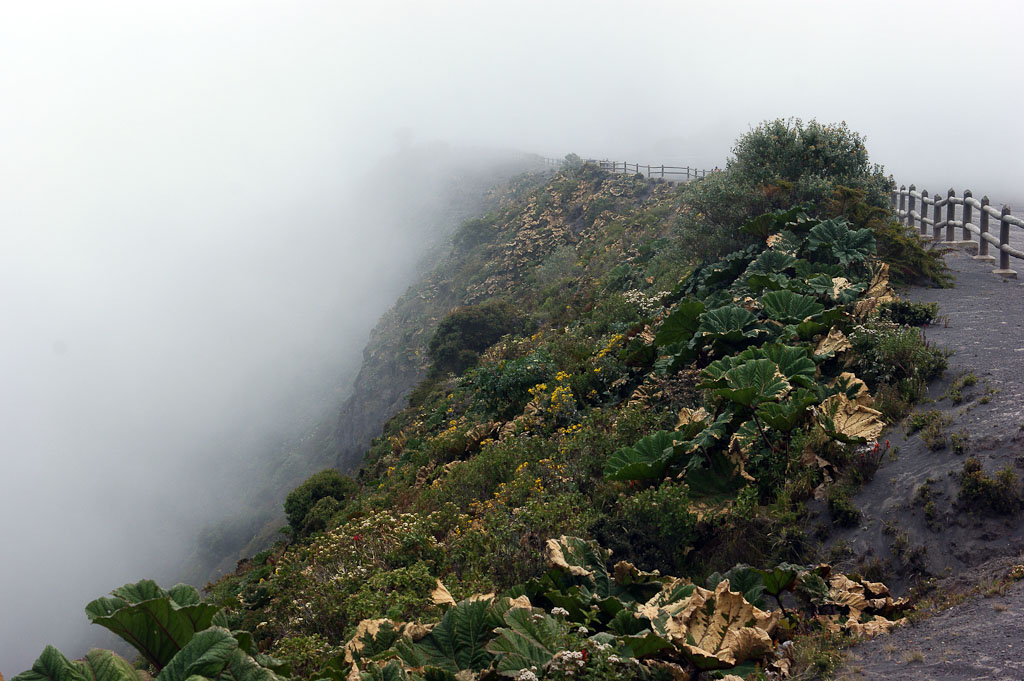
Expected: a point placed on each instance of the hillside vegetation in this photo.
(611, 366)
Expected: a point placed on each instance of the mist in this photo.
(204, 207)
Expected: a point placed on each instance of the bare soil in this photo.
(949, 545)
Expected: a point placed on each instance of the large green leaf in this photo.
(106, 665)
(706, 439)
(773, 282)
(786, 416)
(836, 240)
(646, 460)
(752, 382)
(792, 361)
(728, 324)
(770, 223)
(204, 656)
(626, 623)
(394, 671)
(742, 579)
(644, 644)
(680, 326)
(157, 623)
(786, 306)
(531, 639)
(780, 578)
(771, 262)
(713, 475)
(457, 642)
(52, 666)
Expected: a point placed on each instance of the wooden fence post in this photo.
(966, 234)
(924, 213)
(936, 219)
(966, 237)
(983, 228)
(1004, 240)
(910, 207)
(903, 202)
(950, 213)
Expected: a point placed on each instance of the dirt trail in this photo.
(982, 638)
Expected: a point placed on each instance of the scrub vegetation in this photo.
(664, 373)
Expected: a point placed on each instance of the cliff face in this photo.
(395, 358)
(538, 234)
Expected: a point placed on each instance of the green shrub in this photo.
(466, 332)
(504, 388)
(304, 498)
(908, 313)
(657, 525)
(1000, 495)
(844, 513)
(474, 232)
(305, 653)
(886, 353)
(813, 157)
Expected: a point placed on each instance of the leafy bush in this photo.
(327, 484)
(841, 508)
(658, 526)
(908, 313)
(1000, 495)
(466, 332)
(813, 157)
(504, 388)
(887, 353)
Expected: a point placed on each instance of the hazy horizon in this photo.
(200, 224)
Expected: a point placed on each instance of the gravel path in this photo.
(983, 637)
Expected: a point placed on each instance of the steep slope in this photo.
(610, 362)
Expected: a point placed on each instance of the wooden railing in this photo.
(672, 173)
(675, 173)
(905, 204)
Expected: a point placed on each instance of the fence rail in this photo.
(672, 173)
(905, 204)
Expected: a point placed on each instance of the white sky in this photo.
(180, 249)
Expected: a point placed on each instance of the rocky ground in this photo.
(965, 549)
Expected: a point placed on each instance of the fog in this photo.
(205, 206)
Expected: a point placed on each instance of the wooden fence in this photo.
(905, 202)
(672, 173)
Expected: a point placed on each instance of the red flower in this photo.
(357, 537)
(584, 651)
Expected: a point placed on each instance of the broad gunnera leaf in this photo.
(157, 623)
(787, 306)
(842, 244)
(715, 629)
(680, 326)
(850, 422)
(646, 460)
(457, 642)
(214, 654)
(531, 639)
(753, 382)
(771, 262)
(730, 323)
(98, 665)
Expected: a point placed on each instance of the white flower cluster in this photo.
(559, 611)
(526, 675)
(567, 662)
(648, 305)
